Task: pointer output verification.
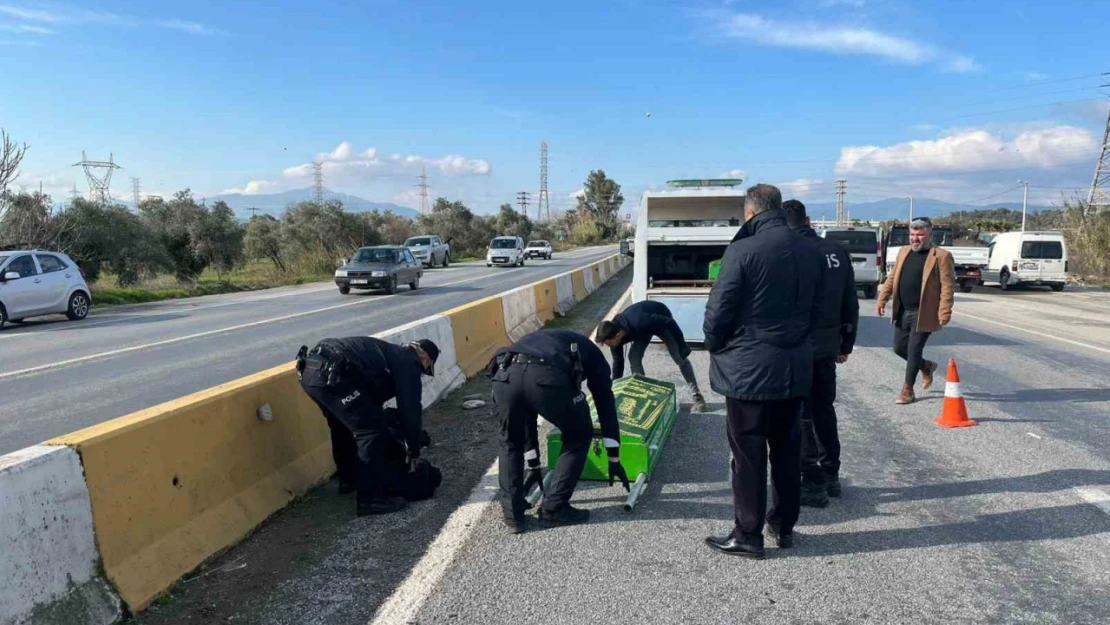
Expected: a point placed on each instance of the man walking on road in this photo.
(758, 323)
(637, 324)
(834, 336)
(922, 286)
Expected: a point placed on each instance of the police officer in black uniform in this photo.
(637, 324)
(350, 379)
(834, 336)
(541, 374)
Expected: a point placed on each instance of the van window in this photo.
(1044, 250)
(855, 242)
(415, 241)
(24, 266)
(50, 264)
(503, 244)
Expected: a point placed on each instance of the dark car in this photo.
(381, 267)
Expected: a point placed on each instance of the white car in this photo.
(1030, 258)
(35, 283)
(505, 251)
(538, 249)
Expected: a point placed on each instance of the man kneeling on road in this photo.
(542, 374)
(637, 325)
(350, 379)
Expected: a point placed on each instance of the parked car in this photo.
(1033, 258)
(538, 249)
(430, 250)
(864, 247)
(505, 251)
(380, 267)
(35, 283)
(969, 261)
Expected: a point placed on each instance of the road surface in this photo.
(57, 377)
(1006, 522)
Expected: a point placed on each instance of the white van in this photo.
(864, 247)
(505, 251)
(1034, 258)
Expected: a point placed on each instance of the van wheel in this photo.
(344, 290)
(446, 259)
(3, 316)
(1004, 280)
(78, 306)
(415, 284)
(967, 288)
(1057, 287)
(391, 288)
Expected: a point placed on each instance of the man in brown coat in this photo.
(922, 285)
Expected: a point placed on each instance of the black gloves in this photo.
(616, 469)
(533, 476)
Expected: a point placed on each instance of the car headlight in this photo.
(340, 273)
(379, 274)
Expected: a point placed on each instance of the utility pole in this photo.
(253, 211)
(136, 191)
(543, 202)
(99, 184)
(318, 182)
(1024, 202)
(1097, 198)
(423, 189)
(522, 199)
(911, 209)
(75, 193)
(840, 190)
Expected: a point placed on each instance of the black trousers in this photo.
(910, 344)
(679, 351)
(520, 393)
(359, 432)
(820, 439)
(753, 428)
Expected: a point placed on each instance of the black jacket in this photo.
(761, 312)
(389, 371)
(554, 347)
(642, 321)
(835, 333)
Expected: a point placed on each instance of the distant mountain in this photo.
(899, 208)
(275, 203)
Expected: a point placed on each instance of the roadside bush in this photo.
(1088, 237)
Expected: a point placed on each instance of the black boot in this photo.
(381, 505)
(516, 524)
(832, 486)
(814, 496)
(566, 515)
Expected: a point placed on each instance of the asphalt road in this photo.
(1006, 522)
(57, 376)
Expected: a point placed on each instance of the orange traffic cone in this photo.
(955, 410)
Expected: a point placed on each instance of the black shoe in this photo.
(567, 515)
(736, 547)
(381, 505)
(832, 486)
(516, 525)
(784, 541)
(346, 488)
(814, 497)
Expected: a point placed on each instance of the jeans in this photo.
(910, 344)
(675, 349)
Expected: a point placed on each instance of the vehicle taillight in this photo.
(1013, 267)
(879, 255)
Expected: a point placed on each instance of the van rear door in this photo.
(1043, 259)
(863, 248)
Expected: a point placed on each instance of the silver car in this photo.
(35, 283)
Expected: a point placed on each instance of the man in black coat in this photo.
(758, 326)
(833, 339)
(638, 324)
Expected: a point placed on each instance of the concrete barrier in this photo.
(547, 299)
(437, 328)
(479, 330)
(48, 558)
(564, 288)
(589, 279)
(172, 485)
(521, 317)
(578, 280)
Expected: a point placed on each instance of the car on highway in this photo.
(864, 247)
(36, 283)
(538, 249)
(379, 267)
(430, 250)
(505, 251)
(1028, 258)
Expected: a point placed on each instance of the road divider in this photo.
(164, 489)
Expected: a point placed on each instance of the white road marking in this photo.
(1035, 333)
(402, 607)
(1094, 496)
(1033, 435)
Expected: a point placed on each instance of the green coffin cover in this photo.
(646, 409)
(715, 269)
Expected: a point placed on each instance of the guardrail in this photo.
(124, 509)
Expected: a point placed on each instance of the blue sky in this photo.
(954, 100)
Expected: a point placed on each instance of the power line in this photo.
(136, 190)
(99, 183)
(318, 182)
(522, 199)
(423, 189)
(543, 203)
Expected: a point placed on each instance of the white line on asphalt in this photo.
(1095, 497)
(1035, 333)
(1033, 435)
(402, 607)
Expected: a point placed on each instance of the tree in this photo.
(175, 223)
(30, 221)
(317, 236)
(601, 200)
(217, 238)
(509, 222)
(11, 155)
(468, 234)
(386, 228)
(114, 238)
(262, 240)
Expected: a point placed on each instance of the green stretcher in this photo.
(646, 411)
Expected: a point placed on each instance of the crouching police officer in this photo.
(541, 374)
(350, 379)
(637, 325)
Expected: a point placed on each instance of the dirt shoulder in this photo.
(316, 563)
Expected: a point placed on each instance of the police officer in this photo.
(834, 336)
(637, 325)
(541, 374)
(350, 379)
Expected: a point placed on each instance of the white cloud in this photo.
(859, 4)
(1036, 76)
(735, 173)
(192, 28)
(64, 15)
(26, 29)
(577, 194)
(924, 127)
(800, 188)
(835, 39)
(31, 15)
(344, 163)
(969, 151)
(255, 187)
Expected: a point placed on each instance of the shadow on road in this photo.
(1071, 395)
(878, 332)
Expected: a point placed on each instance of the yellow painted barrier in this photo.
(547, 299)
(578, 279)
(479, 329)
(172, 485)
